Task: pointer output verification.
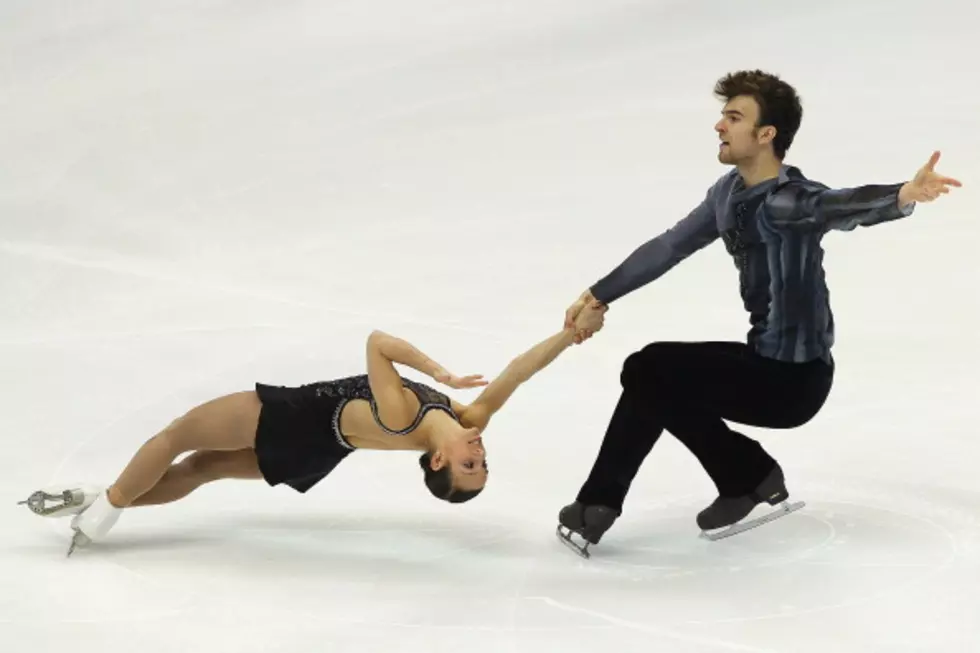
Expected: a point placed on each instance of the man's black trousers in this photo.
(690, 389)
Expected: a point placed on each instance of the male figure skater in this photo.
(771, 219)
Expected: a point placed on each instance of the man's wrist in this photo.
(903, 195)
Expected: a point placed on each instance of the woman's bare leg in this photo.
(197, 469)
(224, 424)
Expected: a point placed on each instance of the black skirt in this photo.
(297, 443)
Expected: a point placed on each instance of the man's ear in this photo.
(767, 134)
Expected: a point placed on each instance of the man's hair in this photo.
(779, 105)
(440, 482)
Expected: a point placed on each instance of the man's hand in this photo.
(589, 321)
(927, 184)
(585, 302)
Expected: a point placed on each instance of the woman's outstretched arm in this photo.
(525, 366)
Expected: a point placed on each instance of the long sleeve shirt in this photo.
(773, 232)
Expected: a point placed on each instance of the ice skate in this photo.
(61, 502)
(94, 523)
(723, 518)
(590, 522)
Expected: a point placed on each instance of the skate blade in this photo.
(566, 539)
(784, 509)
(77, 540)
(37, 503)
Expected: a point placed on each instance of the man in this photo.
(771, 220)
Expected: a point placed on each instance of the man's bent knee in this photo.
(646, 367)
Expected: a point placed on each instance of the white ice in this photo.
(198, 195)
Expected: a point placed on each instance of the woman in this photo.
(298, 435)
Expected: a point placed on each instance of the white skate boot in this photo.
(94, 523)
(62, 501)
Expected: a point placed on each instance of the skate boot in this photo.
(61, 502)
(94, 523)
(590, 522)
(729, 511)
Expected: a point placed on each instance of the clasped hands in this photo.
(586, 316)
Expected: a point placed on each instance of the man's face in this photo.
(741, 140)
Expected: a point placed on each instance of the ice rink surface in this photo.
(195, 196)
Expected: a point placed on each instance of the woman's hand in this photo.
(459, 382)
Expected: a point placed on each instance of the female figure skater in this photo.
(298, 435)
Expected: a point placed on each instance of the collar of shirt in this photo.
(742, 194)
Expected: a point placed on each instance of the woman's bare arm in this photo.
(383, 351)
(525, 366)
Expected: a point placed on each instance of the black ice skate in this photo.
(590, 522)
(726, 512)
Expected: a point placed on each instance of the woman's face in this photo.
(466, 457)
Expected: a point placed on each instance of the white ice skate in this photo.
(62, 501)
(94, 523)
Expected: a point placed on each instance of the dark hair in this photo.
(440, 482)
(779, 105)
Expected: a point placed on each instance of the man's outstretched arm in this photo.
(814, 206)
(653, 258)
(806, 205)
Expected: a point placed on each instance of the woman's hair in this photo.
(440, 482)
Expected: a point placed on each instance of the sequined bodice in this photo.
(358, 387)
